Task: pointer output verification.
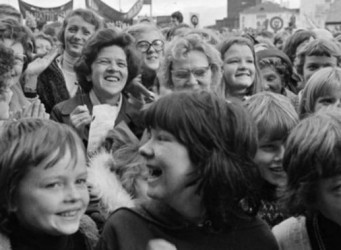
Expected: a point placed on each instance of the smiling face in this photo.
(43, 46)
(169, 168)
(77, 32)
(52, 200)
(239, 67)
(269, 159)
(151, 59)
(271, 80)
(192, 72)
(109, 72)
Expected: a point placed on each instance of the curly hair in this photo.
(6, 65)
(221, 140)
(104, 38)
(313, 152)
(179, 48)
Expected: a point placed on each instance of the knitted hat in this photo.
(273, 53)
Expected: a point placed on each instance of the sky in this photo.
(208, 13)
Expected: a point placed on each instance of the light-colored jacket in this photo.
(292, 234)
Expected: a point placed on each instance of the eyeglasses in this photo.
(199, 72)
(19, 59)
(144, 46)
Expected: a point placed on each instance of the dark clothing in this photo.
(22, 239)
(51, 87)
(131, 229)
(323, 233)
(128, 113)
(271, 213)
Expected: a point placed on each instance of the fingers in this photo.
(80, 117)
(160, 244)
(35, 110)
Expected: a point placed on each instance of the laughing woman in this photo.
(202, 181)
(107, 64)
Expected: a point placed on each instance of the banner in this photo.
(147, 2)
(110, 13)
(45, 14)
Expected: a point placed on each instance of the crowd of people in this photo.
(167, 139)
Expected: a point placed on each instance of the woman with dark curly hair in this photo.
(107, 64)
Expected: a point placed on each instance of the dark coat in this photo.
(128, 113)
(131, 229)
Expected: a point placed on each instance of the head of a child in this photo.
(240, 68)
(276, 70)
(201, 149)
(44, 43)
(275, 117)
(42, 178)
(312, 161)
(323, 89)
(317, 54)
(6, 80)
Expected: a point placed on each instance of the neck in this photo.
(68, 61)
(103, 99)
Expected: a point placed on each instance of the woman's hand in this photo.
(35, 110)
(160, 244)
(140, 92)
(80, 118)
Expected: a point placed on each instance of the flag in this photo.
(147, 2)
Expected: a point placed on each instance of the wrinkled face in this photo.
(239, 69)
(109, 72)
(151, 47)
(331, 99)
(271, 80)
(329, 198)
(19, 56)
(169, 167)
(269, 159)
(52, 200)
(192, 72)
(76, 33)
(43, 46)
(314, 63)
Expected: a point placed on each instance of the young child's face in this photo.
(269, 159)
(314, 63)
(239, 67)
(43, 46)
(333, 98)
(271, 80)
(52, 200)
(329, 198)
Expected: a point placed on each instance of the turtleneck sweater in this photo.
(66, 63)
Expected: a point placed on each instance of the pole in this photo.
(151, 8)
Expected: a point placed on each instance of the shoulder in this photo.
(292, 234)
(66, 107)
(89, 230)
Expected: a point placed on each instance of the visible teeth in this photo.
(155, 172)
(69, 214)
(111, 78)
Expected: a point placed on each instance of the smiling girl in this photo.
(240, 69)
